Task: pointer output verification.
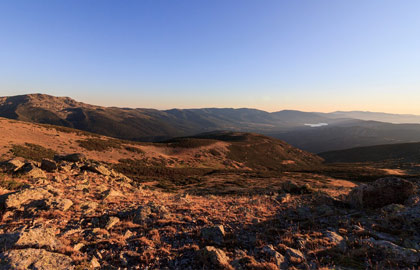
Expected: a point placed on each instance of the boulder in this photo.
(382, 192)
(25, 196)
(62, 204)
(401, 254)
(275, 256)
(111, 193)
(30, 170)
(111, 222)
(39, 237)
(31, 259)
(295, 256)
(48, 165)
(89, 207)
(214, 258)
(12, 165)
(97, 168)
(213, 234)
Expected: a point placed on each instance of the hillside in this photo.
(218, 150)
(155, 125)
(402, 153)
(221, 200)
(350, 134)
(147, 124)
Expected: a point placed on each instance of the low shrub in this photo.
(32, 151)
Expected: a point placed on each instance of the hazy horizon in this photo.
(321, 56)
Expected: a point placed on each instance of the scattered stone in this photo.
(89, 207)
(111, 222)
(97, 168)
(382, 192)
(48, 165)
(17, 199)
(295, 256)
(214, 258)
(284, 198)
(94, 263)
(39, 237)
(111, 193)
(62, 204)
(401, 254)
(34, 172)
(30, 258)
(214, 234)
(336, 239)
(142, 214)
(275, 256)
(78, 246)
(13, 165)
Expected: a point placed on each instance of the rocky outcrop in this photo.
(213, 234)
(34, 259)
(48, 165)
(25, 196)
(12, 165)
(214, 258)
(381, 192)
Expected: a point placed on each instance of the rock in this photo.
(34, 259)
(214, 258)
(275, 256)
(39, 237)
(336, 239)
(48, 165)
(89, 207)
(62, 204)
(111, 193)
(295, 256)
(284, 198)
(97, 168)
(142, 214)
(381, 192)
(111, 222)
(128, 234)
(13, 165)
(214, 234)
(25, 196)
(76, 157)
(78, 246)
(94, 263)
(401, 254)
(34, 172)
(413, 200)
(292, 187)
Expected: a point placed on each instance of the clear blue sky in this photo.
(298, 54)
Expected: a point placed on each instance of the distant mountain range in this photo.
(339, 130)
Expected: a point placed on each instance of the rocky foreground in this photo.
(72, 213)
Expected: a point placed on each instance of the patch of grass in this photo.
(10, 183)
(100, 145)
(189, 142)
(134, 149)
(32, 151)
(168, 178)
(71, 130)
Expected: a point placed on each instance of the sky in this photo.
(267, 54)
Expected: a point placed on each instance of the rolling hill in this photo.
(341, 130)
(216, 150)
(403, 153)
